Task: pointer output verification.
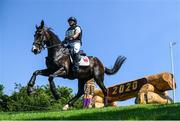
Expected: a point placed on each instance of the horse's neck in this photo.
(59, 53)
(53, 45)
(52, 51)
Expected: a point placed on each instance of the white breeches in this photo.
(76, 46)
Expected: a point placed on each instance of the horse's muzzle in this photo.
(35, 50)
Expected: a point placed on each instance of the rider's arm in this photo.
(77, 32)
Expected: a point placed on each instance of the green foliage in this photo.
(41, 99)
(20, 101)
(66, 95)
(1, 90)
(134, 112)
(3, 103)
(3, 99)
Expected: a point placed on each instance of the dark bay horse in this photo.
(59, 64)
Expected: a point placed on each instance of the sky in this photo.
(137, 29)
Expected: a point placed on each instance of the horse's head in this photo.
(40, 38)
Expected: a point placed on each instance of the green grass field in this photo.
(135, 112)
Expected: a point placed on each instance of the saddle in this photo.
(81, 52)
(84, 60)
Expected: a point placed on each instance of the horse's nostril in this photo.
(35, 51)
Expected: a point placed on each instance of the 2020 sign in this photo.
(126, 87)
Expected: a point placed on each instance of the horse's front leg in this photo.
(60, 72)
(44, 72)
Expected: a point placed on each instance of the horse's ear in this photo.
(42, 23)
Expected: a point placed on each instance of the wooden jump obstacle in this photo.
(146, 90)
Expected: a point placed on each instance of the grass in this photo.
(135, 112)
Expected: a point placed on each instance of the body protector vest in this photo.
(72, 31)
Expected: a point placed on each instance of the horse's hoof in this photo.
(66, 107)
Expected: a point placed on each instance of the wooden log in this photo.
(113, 104)
(147, 88)
(98, 99)
(124, 91)
(144, 92)
(98, 105)
(140, 99)
(149, 94)
(150, 88)
(165, 93)
(152, 98)
(162, 81)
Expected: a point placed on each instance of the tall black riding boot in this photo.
(76, 59)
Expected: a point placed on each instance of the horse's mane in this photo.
(53, 34)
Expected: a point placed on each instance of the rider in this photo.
(73, 40)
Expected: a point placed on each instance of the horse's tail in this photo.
(119, 61)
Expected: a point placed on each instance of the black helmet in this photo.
(72, 19)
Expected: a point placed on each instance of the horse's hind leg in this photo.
(81, 84)
(31, 83)
(99, 80)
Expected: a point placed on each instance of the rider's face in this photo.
(71, 23)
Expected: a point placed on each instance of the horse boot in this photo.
(76, 59)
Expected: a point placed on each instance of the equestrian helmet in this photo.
(72, 19)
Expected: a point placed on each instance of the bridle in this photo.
(43, 38)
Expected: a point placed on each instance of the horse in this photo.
(59, 64)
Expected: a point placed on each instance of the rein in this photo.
(47, 36)
(52, 46)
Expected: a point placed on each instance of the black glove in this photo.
(66, 38)
(64, 42)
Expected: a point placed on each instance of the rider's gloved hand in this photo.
(71, 38)
(64, 42)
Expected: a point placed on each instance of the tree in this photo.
(3, 99)
(41, 99)
(1, 90)
(20, 101)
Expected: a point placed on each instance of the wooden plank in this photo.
(124, 91)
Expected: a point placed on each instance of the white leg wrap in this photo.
(66, 107)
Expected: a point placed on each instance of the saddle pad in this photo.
(84, 61)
